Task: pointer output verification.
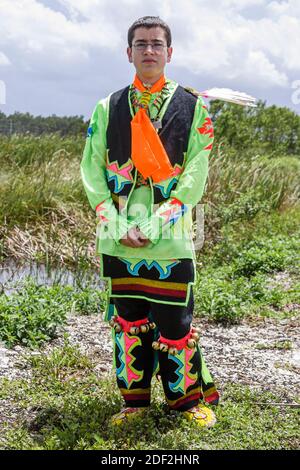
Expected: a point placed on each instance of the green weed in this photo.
(71, 410)
(33, 314)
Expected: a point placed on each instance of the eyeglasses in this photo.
(155, 46)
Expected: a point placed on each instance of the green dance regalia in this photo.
(150, 289)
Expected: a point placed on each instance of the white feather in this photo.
(226, 94)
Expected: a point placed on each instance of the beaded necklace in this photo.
(144, 100)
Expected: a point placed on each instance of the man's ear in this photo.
(129, 54)
(169, 52)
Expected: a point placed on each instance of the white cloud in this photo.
(43, 34)
(257, 65)
(290, 7)
(210, 37)
(86, 8)
(4, 60)
(219, 38)
(241, 4)
(68, 41)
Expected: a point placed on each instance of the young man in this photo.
(144, 168)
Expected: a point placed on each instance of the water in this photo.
(12, 272)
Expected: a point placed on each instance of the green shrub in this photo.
(266, 256)
(225, 298)
(89, 302)
(218, 297)
(32, 315)
(246, 206)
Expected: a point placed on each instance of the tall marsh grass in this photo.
(241, 187)
(41, 183)
(27, 149)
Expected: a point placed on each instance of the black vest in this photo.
(174, 134)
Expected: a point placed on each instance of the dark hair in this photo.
(149, 22)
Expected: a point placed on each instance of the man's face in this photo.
(150, 61)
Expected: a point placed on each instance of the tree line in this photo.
(270, 129)
(25, 123)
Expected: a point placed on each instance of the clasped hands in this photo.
(134, 238)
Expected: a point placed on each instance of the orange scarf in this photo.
(147, 151)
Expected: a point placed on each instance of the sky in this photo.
(62, 56)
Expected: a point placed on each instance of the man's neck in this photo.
(149, 81)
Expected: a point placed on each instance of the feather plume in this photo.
(226, 94)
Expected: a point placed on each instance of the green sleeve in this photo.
(163, 219)
(93, 173)
(191, 184)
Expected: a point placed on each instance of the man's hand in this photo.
(134, 238)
